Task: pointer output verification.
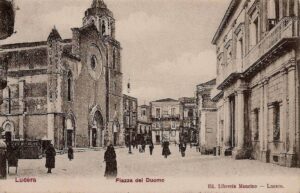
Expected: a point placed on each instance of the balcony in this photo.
(166, 117)
(282, 35)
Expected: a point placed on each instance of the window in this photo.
(276, 126)
(190, 113)
(273, 13)
(115, 86)
(69, 86)
(256, 125)
(114, 59)
(93, 62)
(291, 8)
(103, 28)
(173, 111)
(173, 125)
(144, 112)
(9, 101)
(157, 113)
(240, 50)
(256, 31)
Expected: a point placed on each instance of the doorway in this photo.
(96, 131)
(69, 138)
(8, 137)
(94, 137)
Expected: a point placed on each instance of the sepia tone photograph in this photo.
(150, 96)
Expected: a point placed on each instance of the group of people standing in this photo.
(50, 157)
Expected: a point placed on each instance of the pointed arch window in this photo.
(69, 86)
(114, 59)
(103, 27)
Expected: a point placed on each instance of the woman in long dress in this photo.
(166, 150)
(111, 170)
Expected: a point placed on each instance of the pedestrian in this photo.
(70, 153)
(143, 145)
(182, 149)
(179, 146)
(50, 157)
(111, 162)
(166, 150)
(151, 147)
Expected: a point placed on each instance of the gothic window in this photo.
(103, 27)
(256, 125)
(276, 126)
(69, 92)
(93, 62)
(114, 59)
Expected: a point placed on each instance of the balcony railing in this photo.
(287, 27)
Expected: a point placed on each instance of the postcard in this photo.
(150, 96)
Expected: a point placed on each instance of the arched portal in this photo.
(116, 129)
(96, 130)
(9, 131)
(70, 131)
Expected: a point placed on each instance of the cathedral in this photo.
(68, 91)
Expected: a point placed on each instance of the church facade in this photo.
(68, 91)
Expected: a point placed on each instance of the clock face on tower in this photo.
(95, 62)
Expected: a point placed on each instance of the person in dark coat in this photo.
(151, 147)
(166, 150)
(111, 162)
(50, 158)
(70, 153)
(182, 149)
(143, 143)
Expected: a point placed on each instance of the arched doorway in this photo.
(116, 129)
(70, 131)
(8, 134)
(96, 130)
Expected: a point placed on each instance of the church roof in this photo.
(98, 4)
(54, 35)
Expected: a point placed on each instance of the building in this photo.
(144, 122)
(165, 116)
(130, 118)
(68, 91)
(207, 117)
(258, 70)
(188, 112)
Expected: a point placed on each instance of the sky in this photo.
(166, 44)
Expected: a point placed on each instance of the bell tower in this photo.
(102, 18)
